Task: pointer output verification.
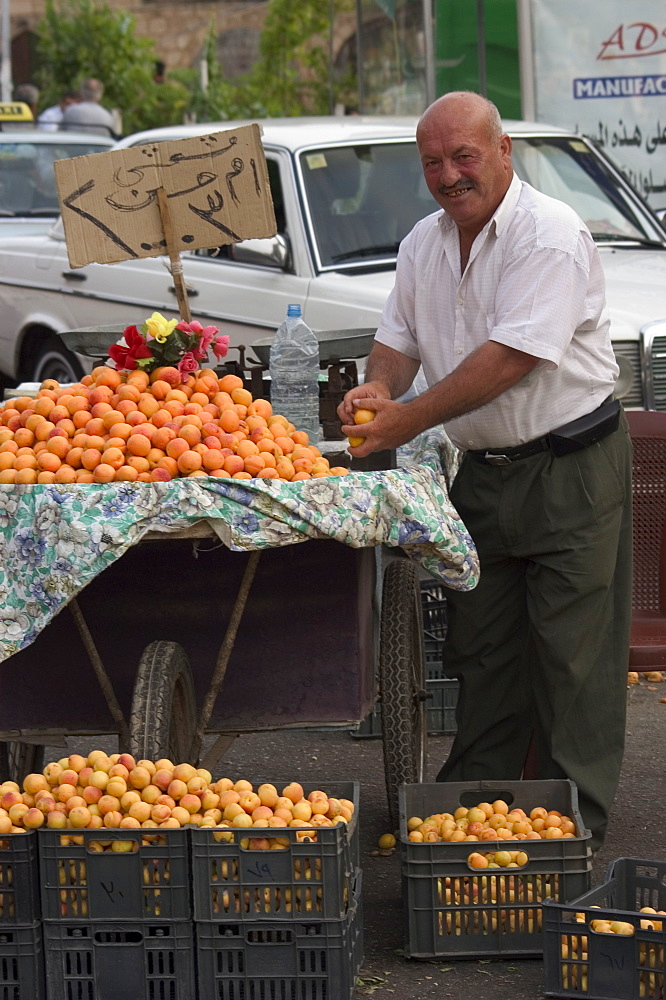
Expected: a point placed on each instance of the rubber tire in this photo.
(54, 360)
(19, 759)
(163, 715)
(402, 680)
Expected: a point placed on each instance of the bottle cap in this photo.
(293, 310)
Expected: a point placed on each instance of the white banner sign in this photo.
(600, 68)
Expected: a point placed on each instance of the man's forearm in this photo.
(393, 370)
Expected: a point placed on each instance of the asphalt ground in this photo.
(637, 829)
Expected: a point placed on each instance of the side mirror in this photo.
(272, 252)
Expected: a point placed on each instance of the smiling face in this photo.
(466, 158)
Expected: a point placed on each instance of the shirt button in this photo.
(458, 350)
(471, 443)
(460, 301)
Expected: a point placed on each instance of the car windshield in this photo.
(362, 200)
(570, 170)
(27, 179)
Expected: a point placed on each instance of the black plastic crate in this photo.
(21, 962)
(441, 691)
(79, 882)
(304, 880)
(433, 606)
(582, 962)
(119, 960)
(311, 960)
(442, 698)
(455, 911)
(19, 879)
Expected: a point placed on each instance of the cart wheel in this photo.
(163, 717)
(19, 759)
(402, 680)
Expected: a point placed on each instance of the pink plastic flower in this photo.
(220, 347)
(126, 355)
(188, 363)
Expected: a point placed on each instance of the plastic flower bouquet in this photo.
(161, 342)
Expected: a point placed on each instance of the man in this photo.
(501, 298)
(50, 118)
(89, 115)
(28, 94)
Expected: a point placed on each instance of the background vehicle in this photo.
(346, 190)
(28, 196)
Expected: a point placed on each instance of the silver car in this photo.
(28, 196)
(346, 190)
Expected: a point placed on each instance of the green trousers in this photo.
(541, 645)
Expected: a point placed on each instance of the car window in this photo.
(569, 170)
(362, 200)
(27, 178)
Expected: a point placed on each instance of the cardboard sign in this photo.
(216, 187)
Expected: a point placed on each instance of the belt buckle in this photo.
(497, 459)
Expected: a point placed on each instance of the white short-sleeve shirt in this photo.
(534, 282)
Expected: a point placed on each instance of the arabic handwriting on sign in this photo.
(257, 185)
(658, 139)
(185, 157)
(215, 205)
(204, 180)
(69, 203)
(238, 167)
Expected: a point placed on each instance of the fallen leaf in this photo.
(371, 982)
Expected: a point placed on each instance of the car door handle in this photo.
(192, 292)
(74, 276)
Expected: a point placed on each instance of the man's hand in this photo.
(390, 428)
(369, 391)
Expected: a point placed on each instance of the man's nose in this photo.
(448, 174)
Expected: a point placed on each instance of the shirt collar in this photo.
(505, 208)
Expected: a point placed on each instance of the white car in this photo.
(346, 190)
(28, 197)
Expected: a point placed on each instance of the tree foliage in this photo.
(292, 76)
(87, 38)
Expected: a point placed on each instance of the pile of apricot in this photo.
(127, 426)
(490, 821)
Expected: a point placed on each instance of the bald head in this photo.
(478, 111)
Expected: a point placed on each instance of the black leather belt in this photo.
(577, 434)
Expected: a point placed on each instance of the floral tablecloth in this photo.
(54, 539)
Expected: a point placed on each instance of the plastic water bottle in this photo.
(294, 371)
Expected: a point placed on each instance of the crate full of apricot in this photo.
(479, 858)
(610, 943)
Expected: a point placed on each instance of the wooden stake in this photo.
(174, 256)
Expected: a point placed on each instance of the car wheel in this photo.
(53, 360)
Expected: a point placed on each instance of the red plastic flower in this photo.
(125, 355)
